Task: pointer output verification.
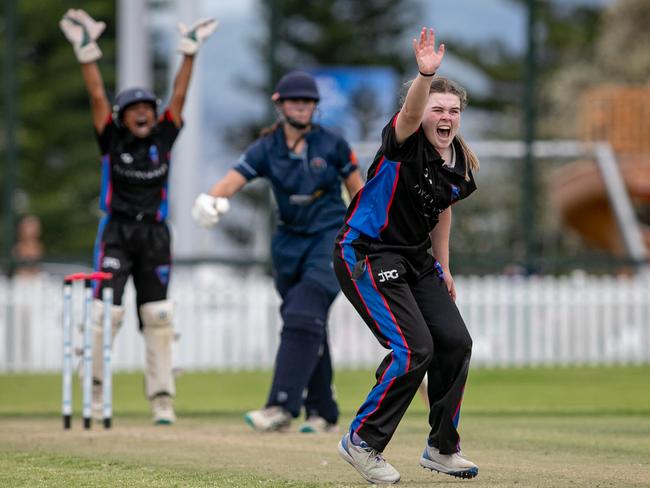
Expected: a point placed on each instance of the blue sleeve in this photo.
(254, 162)
(347, 159)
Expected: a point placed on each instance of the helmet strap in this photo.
(295, 124)
(283, 117)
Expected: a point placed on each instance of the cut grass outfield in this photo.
(578, 427)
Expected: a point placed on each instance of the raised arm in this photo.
(83, 31)
(99, 104)
(428, 60)
(191, 40)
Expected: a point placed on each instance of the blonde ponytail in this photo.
(471, 160)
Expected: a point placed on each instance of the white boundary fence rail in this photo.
(228, 320)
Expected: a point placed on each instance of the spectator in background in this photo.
(28, 250)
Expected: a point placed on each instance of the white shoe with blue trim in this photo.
(368, 462)
(451, 464)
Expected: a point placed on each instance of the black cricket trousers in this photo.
(410, 312)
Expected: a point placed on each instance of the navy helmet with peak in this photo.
(131, 96)
(296, 84)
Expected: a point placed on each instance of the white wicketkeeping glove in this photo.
(207, 209)
(82, 31)
(193, 37)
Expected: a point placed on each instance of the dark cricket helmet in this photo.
(296, 84)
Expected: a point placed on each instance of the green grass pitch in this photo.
(555, 427)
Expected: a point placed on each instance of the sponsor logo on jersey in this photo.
(110, 262)
(141, 175)
(305, 199)
(126, 158)
(391, 274)
(427, 176)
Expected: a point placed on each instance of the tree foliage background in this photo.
(58, 167)
(578, 45)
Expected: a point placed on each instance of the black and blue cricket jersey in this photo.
(135, 171)
(382, 264)
(406, 190)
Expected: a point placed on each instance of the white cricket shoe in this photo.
(368, 462)
(162, 407)
(451, 464)
(317, 425)
(269, 419)
(97, 405)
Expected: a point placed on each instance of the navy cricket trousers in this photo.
(407, 307)
(305, 280)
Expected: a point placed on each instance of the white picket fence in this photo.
(228, 319)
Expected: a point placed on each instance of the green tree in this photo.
(565, 33)
(341, 32)
(58, 171)
(310, 33)
(618, 53)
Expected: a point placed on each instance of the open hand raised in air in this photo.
(427, 56)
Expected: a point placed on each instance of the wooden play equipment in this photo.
(618, 115)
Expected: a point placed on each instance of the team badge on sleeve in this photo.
(163, 273)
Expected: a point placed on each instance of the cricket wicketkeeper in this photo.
(133, 239)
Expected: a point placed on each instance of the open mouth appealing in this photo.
(141, 122)
(443, 131)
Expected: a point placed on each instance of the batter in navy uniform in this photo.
(392, 260)
(133, 237)
(305, 165)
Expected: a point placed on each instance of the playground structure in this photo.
(587, 201)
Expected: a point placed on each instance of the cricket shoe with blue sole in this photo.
(368, 462)
(451, 464)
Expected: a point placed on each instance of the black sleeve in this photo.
(168, 130)
(409, 150)
(467, 187)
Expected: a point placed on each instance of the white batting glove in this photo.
(194, 36)
(207, 209)
(82, 31)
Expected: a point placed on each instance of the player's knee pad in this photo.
(157, 315)
(117, 315)
(97, 314)
(158, 336)
(306, 307)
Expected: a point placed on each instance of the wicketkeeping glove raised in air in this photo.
(82, 31)
(207, 209)
(193, 37)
